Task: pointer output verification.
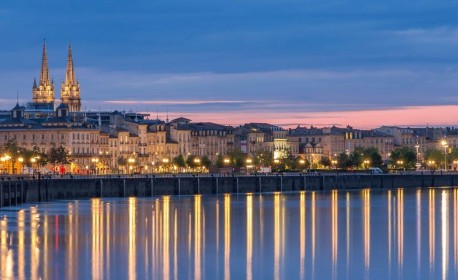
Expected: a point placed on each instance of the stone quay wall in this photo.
(16, 191)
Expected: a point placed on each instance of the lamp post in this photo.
(21, 161)
(445, 145)
(165, 162)
(33, 160)
(131, 162)
(455, 163)
(366, 163)
(334, 163)
(400, 163)
(249, 165)
(302, 163)
(95, 161)
(197, 162)
(3, 159)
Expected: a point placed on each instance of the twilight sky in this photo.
(362, 63)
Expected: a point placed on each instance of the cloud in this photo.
(365, 88)
(441, 35)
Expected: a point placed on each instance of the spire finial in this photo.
(70, 74)
(44, 75)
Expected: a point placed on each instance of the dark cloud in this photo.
(285, 56)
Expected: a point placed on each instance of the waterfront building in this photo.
(79, 137)
(384, 143)
(315, 143)
(180, 132)
(253, 138)
(210, 139)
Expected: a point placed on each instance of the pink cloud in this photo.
(408, 116)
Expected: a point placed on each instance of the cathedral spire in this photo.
(43, 92)
(70, 75)
(44, 75)
(70, 90)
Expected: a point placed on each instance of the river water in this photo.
(367, 234)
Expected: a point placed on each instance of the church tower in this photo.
(43, 93)
(70, 90)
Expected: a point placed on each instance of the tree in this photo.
(11, 149)
(355, 159)
(219, 161)
(237, 157)
(263, 158)
(325, 161)
(179, 161)
(41, 157)
(190, 161)
(59, 155)
(434, 157)
(406, 155)
(373, 156)
(343, 161)
(206, 162)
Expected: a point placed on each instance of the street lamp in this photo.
(227, 161)
(334, 163)
(33, 160)
(95, 161)
(445, 145)
(4, 160)
(131, 161)
(366, 163)
(21, 160)
(400, 162)
(197, 162)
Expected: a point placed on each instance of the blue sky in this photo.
(249, 57)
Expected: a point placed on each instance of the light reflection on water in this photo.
(363, 234)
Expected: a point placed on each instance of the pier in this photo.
(19, 190)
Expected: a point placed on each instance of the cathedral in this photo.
(43, 93)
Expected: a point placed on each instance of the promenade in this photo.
(19, 190)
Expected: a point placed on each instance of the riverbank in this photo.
(18, 190)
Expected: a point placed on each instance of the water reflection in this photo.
(334, 231)
(249, 237)
(227, 237)
(455, 227)
(432, 227)
(366, 227)
(445, 233)
(313, 230)
(309, 235)
(302, 234)
(400, 227)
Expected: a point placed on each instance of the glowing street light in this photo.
(445, 145)
(95, 161)
(21, 160)
(131, 162)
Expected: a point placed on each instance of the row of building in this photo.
(103, 137)
(108, 136)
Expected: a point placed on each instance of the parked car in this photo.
(375, 170)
